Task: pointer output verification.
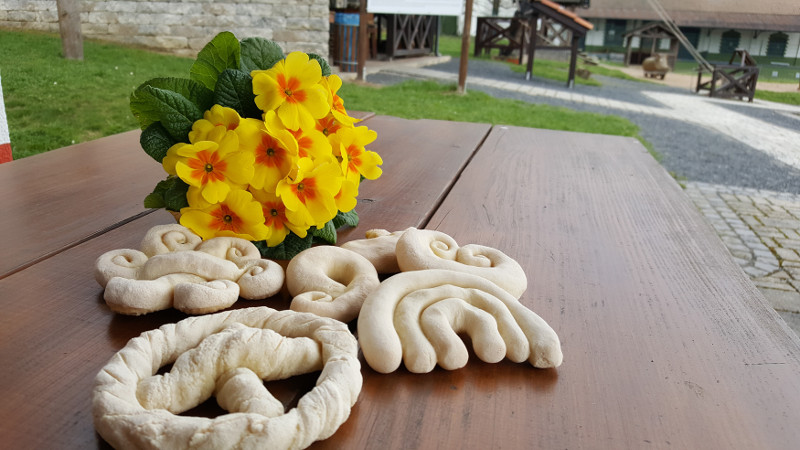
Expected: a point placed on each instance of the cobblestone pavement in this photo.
(760, 228)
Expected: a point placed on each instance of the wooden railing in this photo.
(504, 33)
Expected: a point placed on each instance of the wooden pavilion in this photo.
(649, 37)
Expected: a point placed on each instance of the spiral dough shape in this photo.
(431, 249)
(330, 282)
(415, 317)
(176, 269)
(229, 355)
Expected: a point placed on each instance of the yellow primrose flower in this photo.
(332, 84)
(214, 124)
(278, 220)
(349, 143)
(214, 167)
(291, 88)
(172, 158)
(310, 142)
(239, 215)
(275, 152)
(346, 197)
(328, 125)
(310, 189)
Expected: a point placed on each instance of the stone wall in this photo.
(184, 26)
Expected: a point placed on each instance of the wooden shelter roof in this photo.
(768, 15)
(563, 15)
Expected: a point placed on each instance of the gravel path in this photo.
(703, 151)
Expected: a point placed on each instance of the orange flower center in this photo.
(291, 89)
(305, 190)
(223, 219)
(269, 153)
(207, 167)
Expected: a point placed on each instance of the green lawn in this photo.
(52, 102)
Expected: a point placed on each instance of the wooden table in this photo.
(666, 342)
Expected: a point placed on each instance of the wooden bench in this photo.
(667, 344)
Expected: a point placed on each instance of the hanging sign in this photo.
(422, 7)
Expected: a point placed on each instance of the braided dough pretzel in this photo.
(416, 316)
(228, 354)
(431, 249)
(379, 248)
(330, 282)
(176, 269)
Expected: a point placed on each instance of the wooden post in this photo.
(69, 23)
(363, 45)
(462, 67)
(573, 59)
(532, 46)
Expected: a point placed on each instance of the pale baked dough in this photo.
(379, 248)
(415, 317)
(330, 282)
(176, 269)
(228, 354)
(431, 249)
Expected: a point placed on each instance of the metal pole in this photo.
(462, 67)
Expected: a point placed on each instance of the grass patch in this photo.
(432, 100)
(790, 98)
(52, 102)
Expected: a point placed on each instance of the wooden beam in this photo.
(462, 66)
(363, 45)
(69, 24)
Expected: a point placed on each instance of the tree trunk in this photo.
(69, 23)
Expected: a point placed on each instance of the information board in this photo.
(422, 7)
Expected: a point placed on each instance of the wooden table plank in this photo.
(421, 160)
(56, 332)
(57, 199)
(667, 344)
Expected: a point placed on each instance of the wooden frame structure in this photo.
(653, 32)
(557, 25)
(732, 80)
(407, 34)
(506, 34)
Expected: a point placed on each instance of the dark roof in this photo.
(766, 15)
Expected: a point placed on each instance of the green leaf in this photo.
(146, 111)
(235, 90)
(175, 112)
(291, 246)
(175, 194)
(323, 64)
(349, 218)
(326, 234)
(154, 200)
(259, 54)
(155, 140)
(223, 52)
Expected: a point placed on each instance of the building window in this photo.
(615, 30)
(730, 42)
(777, 44)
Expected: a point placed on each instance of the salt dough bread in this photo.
(431, 249)
(416, 317)
(228, 354)
(176, 269)
(330, 282)
(379, 248)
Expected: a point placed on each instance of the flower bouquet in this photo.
(256, 144)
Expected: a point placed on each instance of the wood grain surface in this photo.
(56, 332)
(666, 342)
(56, 199)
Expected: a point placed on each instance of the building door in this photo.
(615, 31)
(730, 42)
(777, 44)
(693, 36)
